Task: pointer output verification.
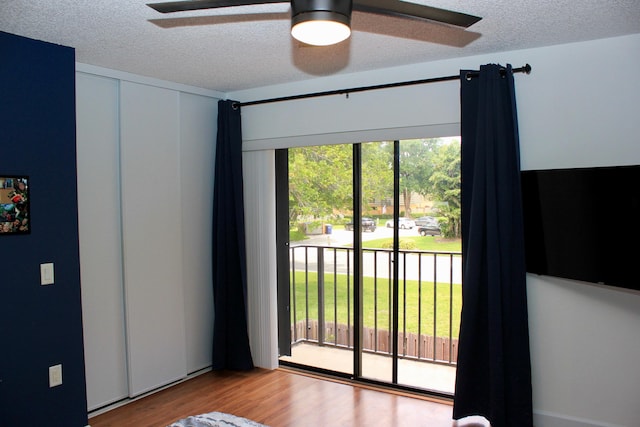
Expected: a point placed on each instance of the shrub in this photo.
(296, 235)
(409, 245)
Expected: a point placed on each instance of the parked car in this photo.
(368, 224)
(425, 221)
(403, 223)
(429, 230)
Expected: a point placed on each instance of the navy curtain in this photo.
(230, 337)
(494, 368)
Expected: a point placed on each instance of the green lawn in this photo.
(426, 243)
(380, 317)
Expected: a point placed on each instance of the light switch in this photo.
(46, 274)
(55, 375)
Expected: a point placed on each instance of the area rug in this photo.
(216, 419)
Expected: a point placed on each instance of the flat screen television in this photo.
(583, 224)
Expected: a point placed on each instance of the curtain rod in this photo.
(526, 69)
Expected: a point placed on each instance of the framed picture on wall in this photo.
(14, 205)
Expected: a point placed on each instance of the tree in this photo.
(377, 171)
(319, 180)
(444, 187)
(416, 166)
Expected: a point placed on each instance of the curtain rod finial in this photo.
(527, 69)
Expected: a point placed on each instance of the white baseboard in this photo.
(550, 419)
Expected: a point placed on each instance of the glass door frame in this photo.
(283, 267)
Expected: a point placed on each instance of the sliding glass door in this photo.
(318, 260)
(378, 287)
(372, 283)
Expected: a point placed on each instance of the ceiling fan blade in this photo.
(181, 6)
(381, 7)
(416, 11)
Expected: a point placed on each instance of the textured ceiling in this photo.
(245, 47)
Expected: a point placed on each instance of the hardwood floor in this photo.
(279, 398)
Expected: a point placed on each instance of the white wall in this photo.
(145, 179)
(577, 108)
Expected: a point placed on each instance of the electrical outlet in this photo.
(55, 375)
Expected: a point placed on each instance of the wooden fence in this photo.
(422, 347)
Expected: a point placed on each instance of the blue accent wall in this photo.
(40, 326)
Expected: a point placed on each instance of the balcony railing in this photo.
(429, 300)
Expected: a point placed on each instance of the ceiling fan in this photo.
(327, 22)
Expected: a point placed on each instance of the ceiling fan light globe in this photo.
(320, 32)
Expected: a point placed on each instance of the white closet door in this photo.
(100, 239)
(152, 243)
(198, 140)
